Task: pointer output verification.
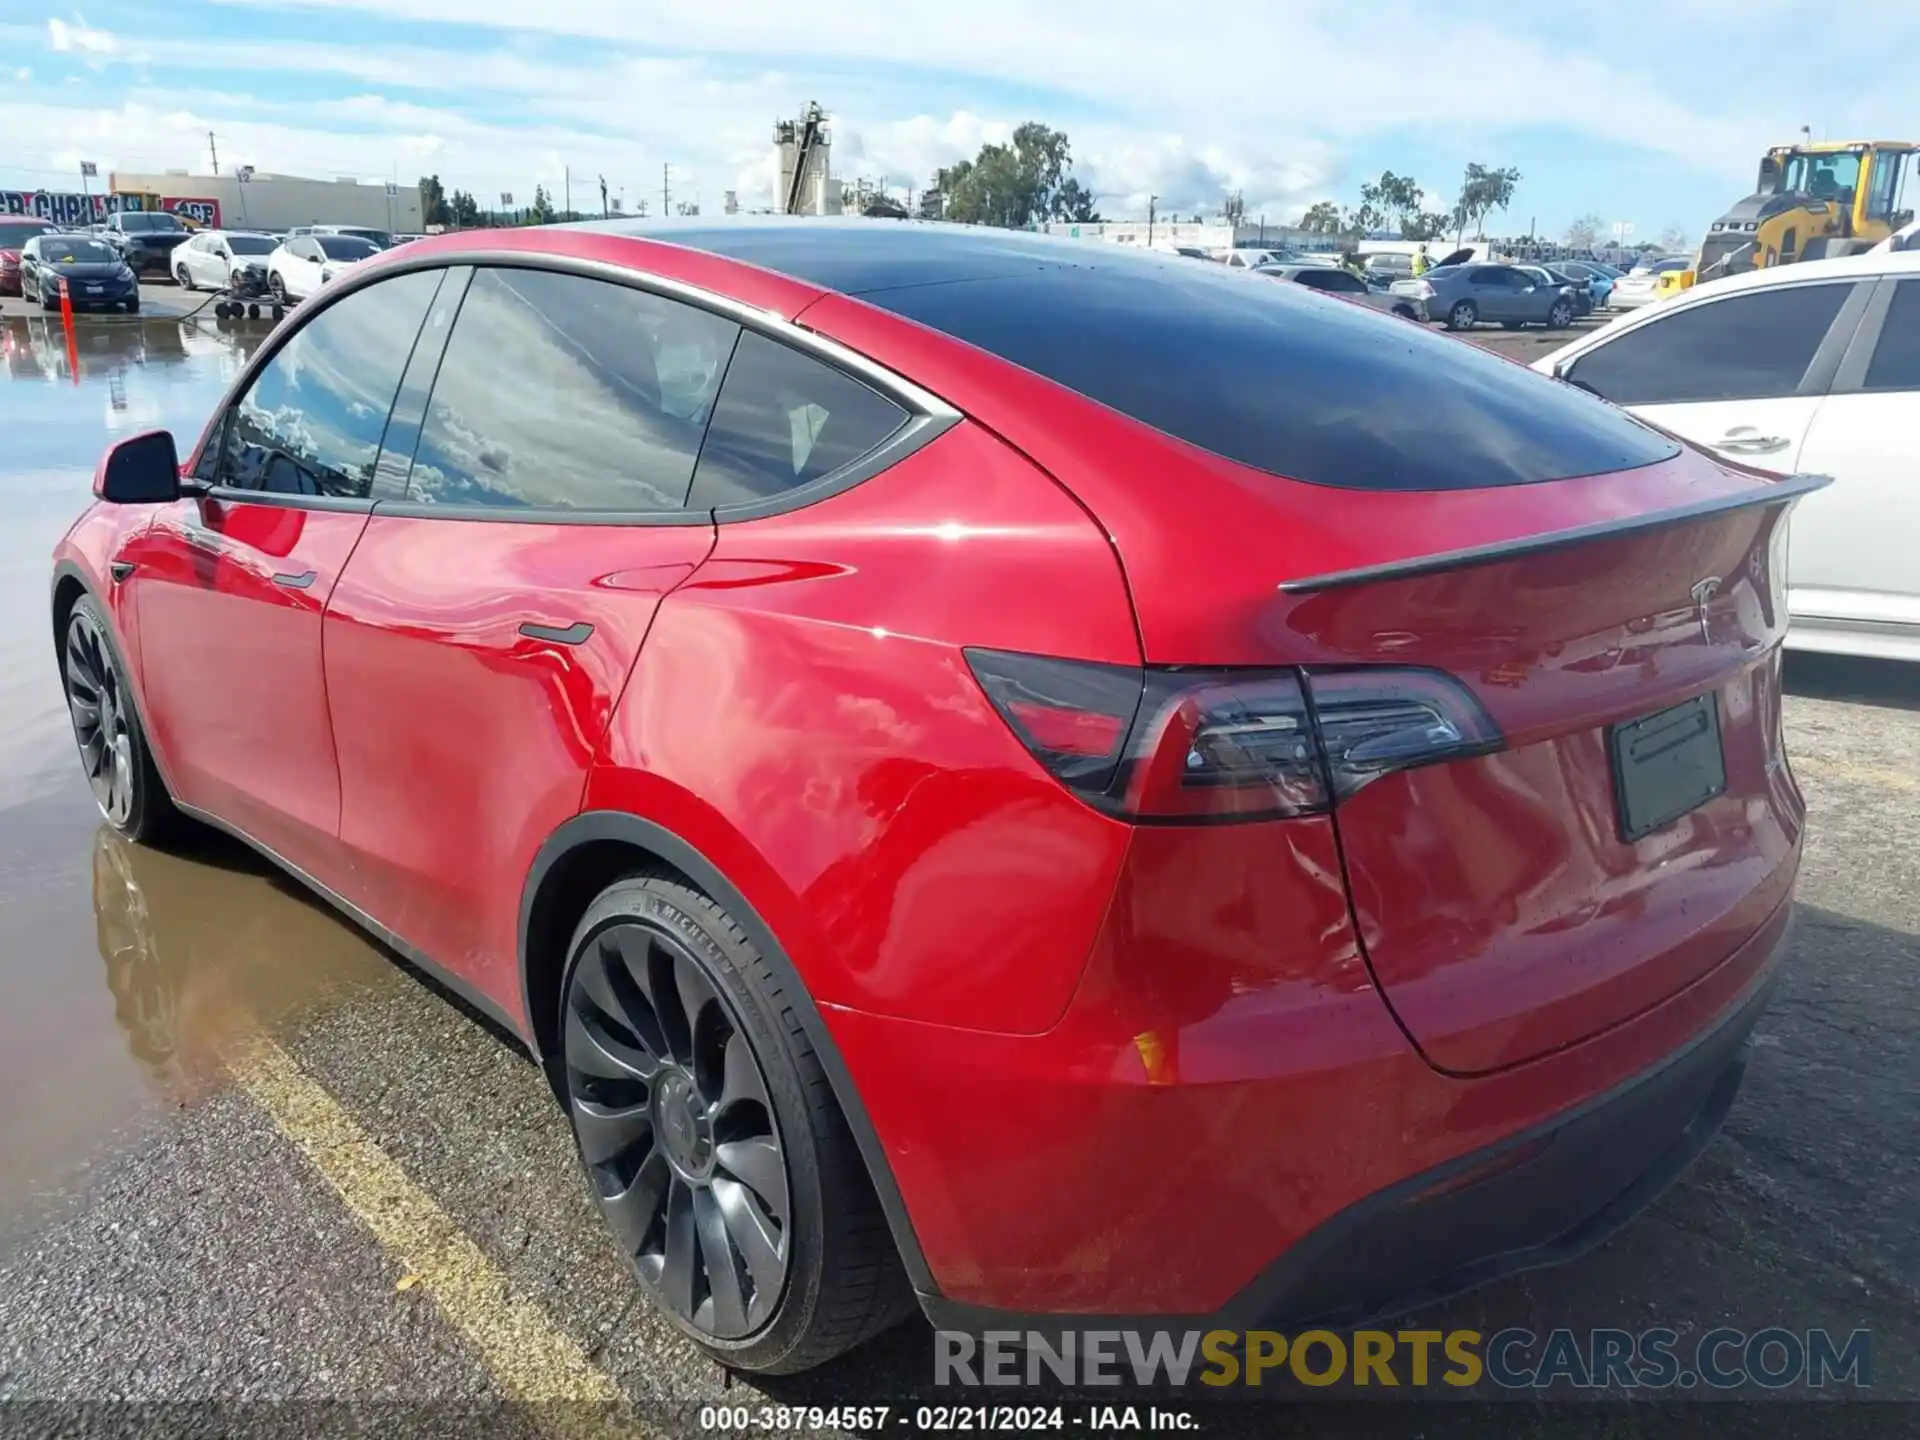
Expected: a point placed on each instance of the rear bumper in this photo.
(1540, 1197)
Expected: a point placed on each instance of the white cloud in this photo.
(23, 75)
(78, 39)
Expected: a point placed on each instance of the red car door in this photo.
(230, 585)
(491, 613)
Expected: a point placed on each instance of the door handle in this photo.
(1745, 440)
(296, 582)
(574, 634)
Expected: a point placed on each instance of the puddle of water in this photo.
(124, 970)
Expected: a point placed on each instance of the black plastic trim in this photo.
(516, 515)
(121, 569)
(412, 954)
(1717, 1050)
(918, 432)
(1762, 494)
(228, 495)
(598, 825)
(1850, 370)
(577, 633)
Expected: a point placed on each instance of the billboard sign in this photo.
(75, 208)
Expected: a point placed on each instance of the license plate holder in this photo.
(1667, 764)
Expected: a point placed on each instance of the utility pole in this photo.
(605, 213)
(666, 192)
(213, 152)
(1152, 200)
(568, 202)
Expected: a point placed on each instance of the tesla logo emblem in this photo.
(1703, 593)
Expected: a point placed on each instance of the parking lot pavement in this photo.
(158, 299)
(1529, 345)
(250, 1156)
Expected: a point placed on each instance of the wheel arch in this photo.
(70, 582)
(595, 848)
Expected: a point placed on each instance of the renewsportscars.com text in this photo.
(1513, 1359)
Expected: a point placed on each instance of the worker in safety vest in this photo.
(1420, 261)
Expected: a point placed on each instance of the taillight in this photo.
(1170, 745)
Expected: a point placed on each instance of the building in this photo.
(1216, 237)
(265, 201)
(804, 147)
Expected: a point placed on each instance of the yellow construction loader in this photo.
(1814, 200)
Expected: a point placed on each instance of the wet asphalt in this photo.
(166, 1243)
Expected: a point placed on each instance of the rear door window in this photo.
(311, 421)
(1751, 346)
(786, 420)
(562, 393)
(1272, 378)
(1896, 355)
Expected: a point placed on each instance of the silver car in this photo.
(1641, 285)
(1337, 280)
(1462, 296)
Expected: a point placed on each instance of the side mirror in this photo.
(141, 470)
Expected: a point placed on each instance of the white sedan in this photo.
(1641, 285)
(208, 260)
(306, 262)
(1811, 368)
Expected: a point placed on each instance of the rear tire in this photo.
(1463, 316)
(278, 286)
(680, 1044)
(113, 745)
(1560, 316)
(180, 278)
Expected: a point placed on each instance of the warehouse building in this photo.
(265, 201)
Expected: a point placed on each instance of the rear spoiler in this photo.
(1780, 492)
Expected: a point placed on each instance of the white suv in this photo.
(1813, 368)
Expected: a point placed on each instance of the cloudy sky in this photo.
(1649, 111)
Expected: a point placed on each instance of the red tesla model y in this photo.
(1050, 782)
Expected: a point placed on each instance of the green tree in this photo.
(1427, 225)
(1322, 218)
(463, 210)
(1016, 185)
(1074, 202)
(433, 202)
(540, 212)
(1483, 190)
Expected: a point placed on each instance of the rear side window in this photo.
(311, 422)
(785, 420)
(562, 393)
(1746, 347)
(1896, 355)
(1273, 378)
(1336, 281)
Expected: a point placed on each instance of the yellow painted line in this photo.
(529, 1357)
(1882, 776)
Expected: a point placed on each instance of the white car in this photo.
(1810, 368)
(1641, 285)
(304, 263)
(208, 260)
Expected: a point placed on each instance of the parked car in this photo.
(1464, 295)
(15, 232)
(1814, 368)
(212, 259)
(902, 772)
(1188, 252)
(1333, 280)
(1641, 285)
(146, 239)
(1574, 285)
(1600, 278)
(1255, 259)
(301, 265)
(379, 239)
(96, 274)
(1389, 267)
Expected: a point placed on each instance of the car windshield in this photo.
(139, 222)
(77, 250)
(250, 244)
(346, 247)
(15, 233)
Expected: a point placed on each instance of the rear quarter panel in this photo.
(804, 716)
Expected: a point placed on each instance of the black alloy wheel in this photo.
(677, 1129)
(102, 722)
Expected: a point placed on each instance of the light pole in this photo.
(1152, 200)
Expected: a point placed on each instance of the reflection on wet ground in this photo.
(77, 1057)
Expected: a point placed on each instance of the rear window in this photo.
(15, 233)
(1273, 378)
(345, 247)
